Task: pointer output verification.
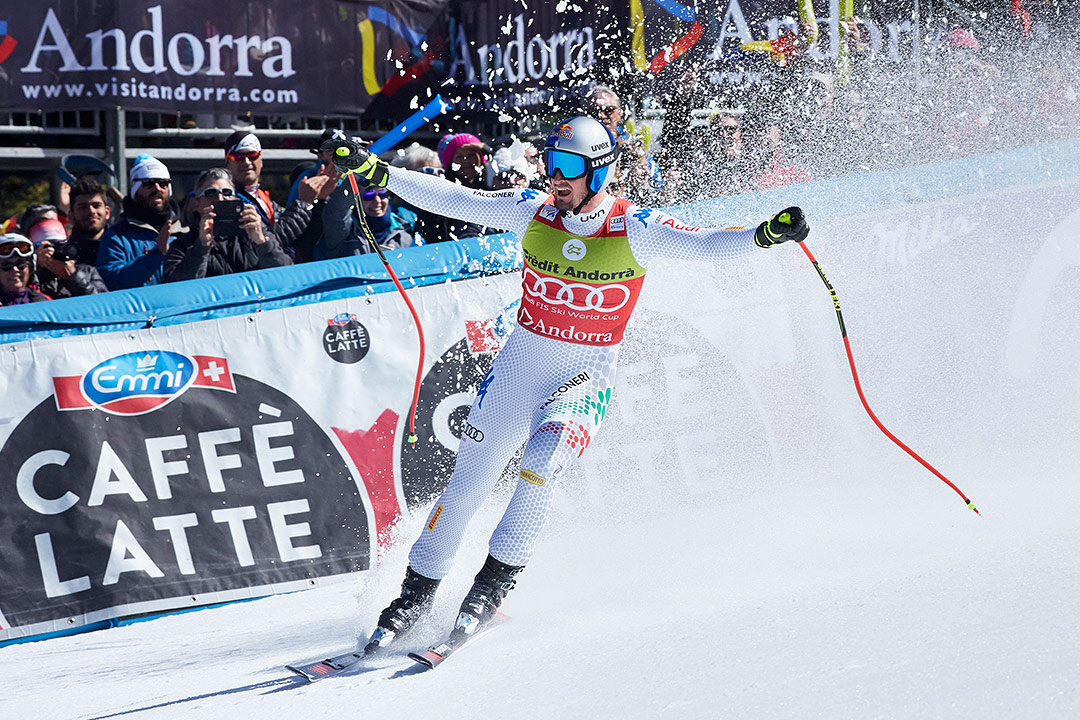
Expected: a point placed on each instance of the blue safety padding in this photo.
(244, 293)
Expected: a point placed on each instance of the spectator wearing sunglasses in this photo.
(243, 160)
(421, 159)
(17, 271)
(348, 238)
(132, 252)
(209, 251)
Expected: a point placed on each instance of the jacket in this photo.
(188, 258)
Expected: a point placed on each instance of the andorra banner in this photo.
(312, 58)
(225, 459)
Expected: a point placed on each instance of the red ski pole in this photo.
(370, 238)
(858, 385)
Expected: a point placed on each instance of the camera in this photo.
(65, 251)
(227, 217)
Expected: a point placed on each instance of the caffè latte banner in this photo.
(230, 458)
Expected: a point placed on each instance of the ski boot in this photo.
(489, 588)
(417, 594)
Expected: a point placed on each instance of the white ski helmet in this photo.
(582, 146)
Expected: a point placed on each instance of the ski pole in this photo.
(370, 238)
(437, 106)
(858, 385)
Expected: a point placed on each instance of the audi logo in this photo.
(474, 432)
(576, 296)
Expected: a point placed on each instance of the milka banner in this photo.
(313, 58)
(172, 467)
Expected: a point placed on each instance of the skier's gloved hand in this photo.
(786, 225)
(350, 156)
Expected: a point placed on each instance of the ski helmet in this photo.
(582, 146)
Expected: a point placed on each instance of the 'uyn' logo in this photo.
(137, 383)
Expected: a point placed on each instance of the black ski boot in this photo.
(417, 594)
(489, 588)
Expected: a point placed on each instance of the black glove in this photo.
(350, 156)
(786, 225)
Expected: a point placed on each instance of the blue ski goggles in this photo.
(570, 165)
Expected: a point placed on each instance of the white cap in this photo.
(147, 167)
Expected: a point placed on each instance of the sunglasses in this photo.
(157, 181)
(571, 166)
(20, 247)
(369, 195)
(17, 265)
(433, 171)
(238, 157)
(214, 193)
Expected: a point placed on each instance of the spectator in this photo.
(243, 155)
(132, 252)
(637, 176)
(769, 164)
(205, 252)
(90, 214)
(464, 158)
(322, 159)
(59, 273)
(35, 213)
(344, 239)
(422, 159)
(17, 271)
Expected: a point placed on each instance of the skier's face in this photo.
(568, 193)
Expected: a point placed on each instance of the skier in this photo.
(586, 254)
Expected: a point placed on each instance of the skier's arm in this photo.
(656, 234)
(503, 209)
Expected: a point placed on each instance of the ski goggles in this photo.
(369, 195)
(570, 165)
(11, 248)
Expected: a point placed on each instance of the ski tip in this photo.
(427, 658)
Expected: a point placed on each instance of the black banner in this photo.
(265, 56)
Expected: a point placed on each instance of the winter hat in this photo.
(51, 230)
(146, 168)
(450, 144)
(242, 141)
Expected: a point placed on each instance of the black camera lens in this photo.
(66, 251)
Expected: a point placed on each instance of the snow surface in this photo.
(858, 586)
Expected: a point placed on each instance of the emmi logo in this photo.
(134, 383)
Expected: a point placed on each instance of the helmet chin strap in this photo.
(588, 196)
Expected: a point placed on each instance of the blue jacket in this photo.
(128, 256)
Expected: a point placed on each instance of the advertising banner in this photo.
(180, 466)
(268, 56)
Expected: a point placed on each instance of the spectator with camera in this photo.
(132, 252)
(243, 160)
(17, 271)
(59, 272)
(226, 235)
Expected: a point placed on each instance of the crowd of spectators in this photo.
(803, 122)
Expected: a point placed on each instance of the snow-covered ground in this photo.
(852, 585)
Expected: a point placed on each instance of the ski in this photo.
(437, 654)
(330, 666)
